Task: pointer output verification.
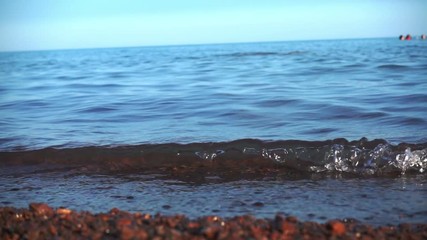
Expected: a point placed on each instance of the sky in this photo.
(69, 24)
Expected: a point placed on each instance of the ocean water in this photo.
(314, 90)
(226, 129)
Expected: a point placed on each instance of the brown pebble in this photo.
(63, 211)
(193, 225)
(288, 228)
(41, 208)
(114, 211)
(127, 233)
(172, 222)
(213, 218)
(104, 217)
(175, 234)
(120, 223)
(53, 230)
(337, 227)
(161, 230)
(292, 219)
(210, 232)
(141, 234)
(116, 224)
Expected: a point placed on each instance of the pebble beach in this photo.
(40, 221)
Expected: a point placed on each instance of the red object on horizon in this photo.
(408, 37)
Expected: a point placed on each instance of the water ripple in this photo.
(309, 90)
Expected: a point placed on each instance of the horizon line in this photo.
(187, 44)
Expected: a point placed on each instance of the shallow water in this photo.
(374, 201)
(165, 129)
(384, 184)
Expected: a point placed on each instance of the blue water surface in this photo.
(306, 90)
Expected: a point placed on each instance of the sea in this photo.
(331, 129)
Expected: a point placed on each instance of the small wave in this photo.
(118, 75)
(92, 86)
(411, 121)
(404, 120)
(320, 130)
(393, 66)
(276, 102)
(4, 140)
(372, 115)
(362, 157)
(71, 78)
(248, 54)
(252, 54)
(97, 110)
(355, 65)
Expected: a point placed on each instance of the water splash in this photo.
(348, 158)
(209, 155)
(416, 159)
(379, 159)
(278, 155)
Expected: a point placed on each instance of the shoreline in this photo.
(337, 155)
(40, 221)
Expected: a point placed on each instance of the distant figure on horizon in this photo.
(408, 37)
(401, 37)
(423, 37)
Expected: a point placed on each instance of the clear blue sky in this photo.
(62, 24)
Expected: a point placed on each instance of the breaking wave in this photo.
(376, 157)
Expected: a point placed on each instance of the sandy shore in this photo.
(40, 221)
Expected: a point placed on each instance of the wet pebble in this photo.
(337, 227)
(63, 211)
(116, 224)
(41, 208)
